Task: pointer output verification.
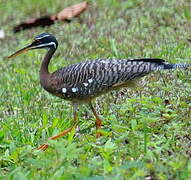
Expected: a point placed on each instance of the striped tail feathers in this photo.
(176, 66)
(162, 64)
(151, 60)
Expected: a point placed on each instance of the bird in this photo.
(83, 82)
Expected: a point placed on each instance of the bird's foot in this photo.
(42, 147)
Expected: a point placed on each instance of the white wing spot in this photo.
(85, 84)
(90, 80)
(64, 90)
(74, 90)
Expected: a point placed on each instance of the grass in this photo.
(146, 130)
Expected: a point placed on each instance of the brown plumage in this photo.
(82, 82)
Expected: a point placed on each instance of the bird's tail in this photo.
(176, 66)
(161, 64)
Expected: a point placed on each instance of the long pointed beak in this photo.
(25, 49)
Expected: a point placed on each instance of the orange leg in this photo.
(98, 120)
(45, 146)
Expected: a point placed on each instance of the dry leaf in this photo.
(72, 11)
(64, 15)
(35, 22)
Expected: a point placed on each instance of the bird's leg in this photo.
(98, 120)
(75, 108)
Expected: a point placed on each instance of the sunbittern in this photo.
(82, 82)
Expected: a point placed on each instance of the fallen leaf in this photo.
(64, 15)
(35, 22)
(72, 11)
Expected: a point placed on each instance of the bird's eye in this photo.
(36, 41)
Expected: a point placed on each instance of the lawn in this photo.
(146, 130)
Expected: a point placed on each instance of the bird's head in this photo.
(44, 40)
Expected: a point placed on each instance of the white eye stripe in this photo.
(47, 44)
(43, 36)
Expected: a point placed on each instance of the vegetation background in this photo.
(147, 132)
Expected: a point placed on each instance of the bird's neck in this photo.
(44, 73)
